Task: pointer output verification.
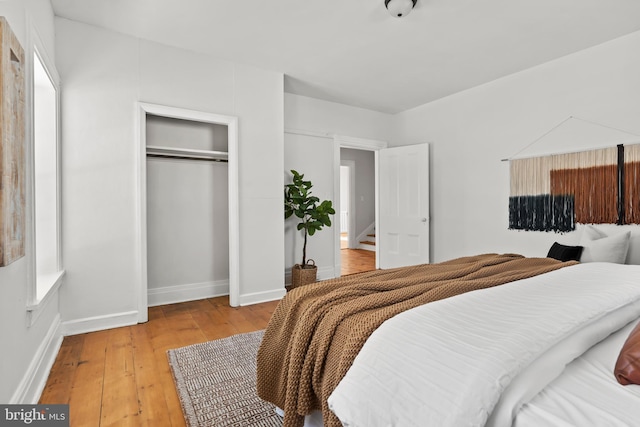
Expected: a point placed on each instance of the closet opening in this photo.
(188, 206)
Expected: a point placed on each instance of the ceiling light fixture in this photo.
(399, 8)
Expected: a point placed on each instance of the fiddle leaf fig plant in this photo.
(313, 214)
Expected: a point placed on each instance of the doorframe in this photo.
(341, 141)
(143, 109)
(351, 226)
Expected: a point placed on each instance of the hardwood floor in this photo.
(357, 260)
(121, 377)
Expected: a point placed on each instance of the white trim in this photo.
(99, 323)
(258, 297)
(376, 161)
(188, 292)
(360, 143)
(234, 217)
(34, 380)
(34, 310)
(352, 240)
(141, 214)
(234, 210)
(308, 133)
(364, 247)
(326, 273)
(35, 47)
(337, 256)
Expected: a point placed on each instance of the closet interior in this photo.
(187, 209)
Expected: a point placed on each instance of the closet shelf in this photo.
(187, 153)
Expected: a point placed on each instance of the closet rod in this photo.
(171, 156)
(187, 153)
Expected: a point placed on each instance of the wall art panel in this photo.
(12, 146)
(553, 193)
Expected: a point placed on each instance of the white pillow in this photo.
(598, 247)
(591, 233)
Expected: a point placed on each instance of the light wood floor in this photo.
(121, 377)
(357, 260)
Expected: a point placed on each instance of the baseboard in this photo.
(366, 247)
(99, 323)
(34, 380)
(258, 297)
(189, 292)
(324, 273)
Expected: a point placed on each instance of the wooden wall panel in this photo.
(12, 146)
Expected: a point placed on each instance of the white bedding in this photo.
(587, 394)
(447, 363)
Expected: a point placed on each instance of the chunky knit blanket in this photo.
(317, 330)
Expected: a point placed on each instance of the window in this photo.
(46, 181)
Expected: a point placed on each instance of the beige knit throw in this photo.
(317, 330)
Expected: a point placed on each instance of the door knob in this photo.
(424, 220)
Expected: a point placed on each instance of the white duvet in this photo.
(451, 362)
(586, 394)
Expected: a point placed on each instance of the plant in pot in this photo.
(313, 215)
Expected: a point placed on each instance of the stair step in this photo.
(371, 235)
(366, 242)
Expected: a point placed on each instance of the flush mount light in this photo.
(399, 8)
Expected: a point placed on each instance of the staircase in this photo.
(369, 244)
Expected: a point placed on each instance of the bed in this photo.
(534, 347)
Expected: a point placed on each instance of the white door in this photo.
(403, 226)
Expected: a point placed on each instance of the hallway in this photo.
(357, 261)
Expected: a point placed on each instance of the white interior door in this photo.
(403, 226)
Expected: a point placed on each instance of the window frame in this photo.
(35, 302)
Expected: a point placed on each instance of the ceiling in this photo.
(353, 52)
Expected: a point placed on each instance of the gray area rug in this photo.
(216, 382)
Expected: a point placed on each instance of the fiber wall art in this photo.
(553, 193)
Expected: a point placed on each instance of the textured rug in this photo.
(216, 382)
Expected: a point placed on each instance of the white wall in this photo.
(104, 75)
(169, 132)
(310, 114)
(314, 156)
(28, 348)
(187, 229)
(473, 130)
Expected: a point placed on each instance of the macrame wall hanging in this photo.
(553, 193)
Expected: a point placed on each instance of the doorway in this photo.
(357, 205)
(146, 111)
(357, 211)
(402, 227)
